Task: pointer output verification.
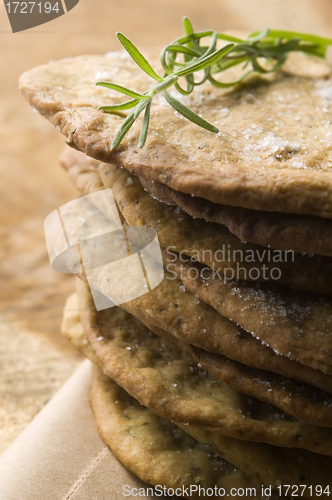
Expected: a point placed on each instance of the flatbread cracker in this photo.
(247, 305)
(300, 233)
(299, 400)
(266, 463)
(271, 465)
(209, 243)
(156, 450)
(302, 401)
(73, 331)
(174, 309)
(161, 377)
(268, 155)
(213, 244)
(295, 324)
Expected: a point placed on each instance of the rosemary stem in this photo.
(273, 46)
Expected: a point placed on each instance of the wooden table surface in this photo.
(34, 359)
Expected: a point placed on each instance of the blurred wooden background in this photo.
(34, 359)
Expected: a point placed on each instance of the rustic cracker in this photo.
(299, 400)
(174, 309)
(271, 313)
(290, 466)
(153, 448)
(204, 241)
(300, 233)
(201, 240)
(73, 331)
(269, 464)
(161, 377)
(268, 155)
(302, 401)
(294, 324)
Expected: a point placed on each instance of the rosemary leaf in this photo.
(121, 89)
(123, 130)
(187, 26)
(229, 38)
(119, 107)
(145, 126)
(188, 113)
(305, 37)
(170, 80)
(140, 107)
(137, 56)
(206, 61)
(256, 37)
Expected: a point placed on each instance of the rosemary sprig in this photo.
(273, 46)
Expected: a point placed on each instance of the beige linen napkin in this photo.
(60, 455)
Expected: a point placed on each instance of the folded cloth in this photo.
(60, 455)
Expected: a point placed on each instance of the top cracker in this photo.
(273, 152)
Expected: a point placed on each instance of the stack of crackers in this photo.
(221, 376)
